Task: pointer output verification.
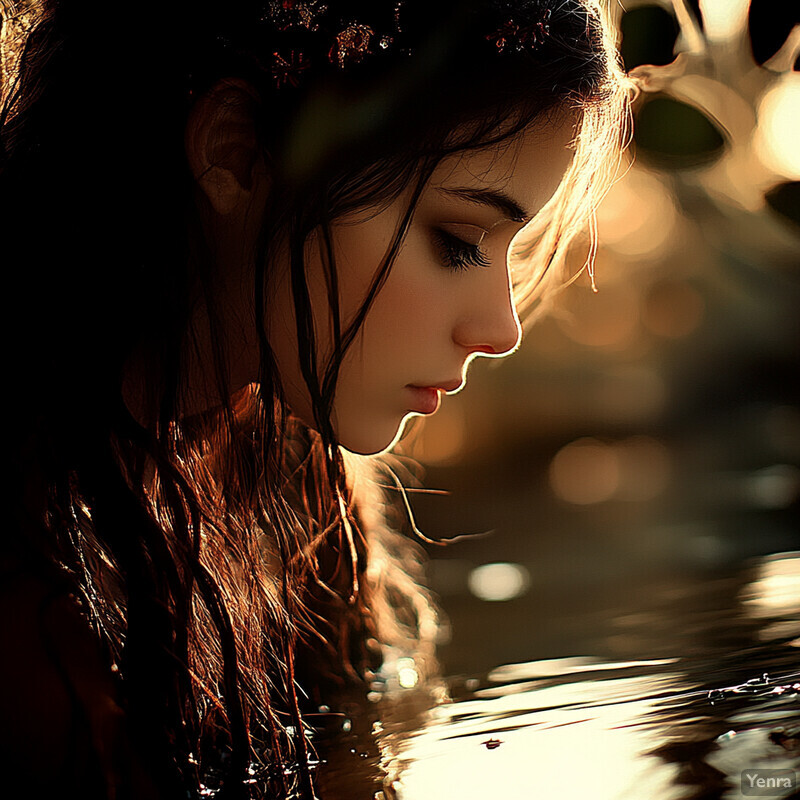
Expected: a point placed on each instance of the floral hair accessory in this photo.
(288, 70)
(314, 35)
(351, 45)
(515, 37)
(286, 14)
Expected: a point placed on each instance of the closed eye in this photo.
(457, 254)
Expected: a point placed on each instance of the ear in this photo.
(222, 146)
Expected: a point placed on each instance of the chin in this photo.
(369, 440)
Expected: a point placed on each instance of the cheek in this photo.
(408, 318)
(404, 338)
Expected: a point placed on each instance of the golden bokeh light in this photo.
(589, 471)
(774, 597)
(776, 588)
(499, 581)
(585, 472)
(638, 217)
(607, 319)
(407, 675)
(776, 138)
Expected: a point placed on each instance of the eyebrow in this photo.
(489, 197)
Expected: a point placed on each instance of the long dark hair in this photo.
(221, 557)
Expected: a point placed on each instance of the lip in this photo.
(443, 386)
(424, 399)
(427, 399)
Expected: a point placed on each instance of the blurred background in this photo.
(641, 452)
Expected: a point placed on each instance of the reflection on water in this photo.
(524, 744)
(685, 726)
(602, 730)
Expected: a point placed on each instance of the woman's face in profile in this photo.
(447, 297)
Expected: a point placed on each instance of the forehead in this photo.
(527, 167)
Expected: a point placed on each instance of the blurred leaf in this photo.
(785, 199)
(673, 135)
(648, 36)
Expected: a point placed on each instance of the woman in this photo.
(246, 241)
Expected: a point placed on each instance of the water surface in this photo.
(715, 692)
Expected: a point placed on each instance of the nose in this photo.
(489, 323)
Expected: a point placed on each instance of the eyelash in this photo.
(457, 254)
